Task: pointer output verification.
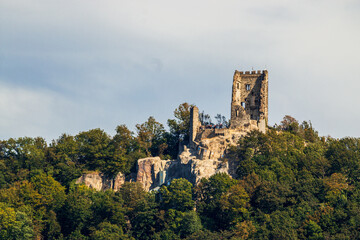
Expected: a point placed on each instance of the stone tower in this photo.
(249, 104)
(194, 124)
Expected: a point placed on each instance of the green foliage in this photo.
(290, 184)
(179, 129)
(51, 191)
(189, 224)
(150, 133)
(178, 195)
(132, 193)
(93, 148)
(313, 231)
(108, 231)
(209, 194)
(271, 196)
(344, 155)
(76, 213)
(144, 218)
(107, 206)
(234, 204)
(14, 224)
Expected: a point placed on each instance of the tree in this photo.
(180, 126)
(222, 120)
(51, 191)
(107, 206)
(308, 132)
(179, 129)
(93, 148)
(52, 229)
(20, 194)
(282, 226)
(150, 134)
(27, 153)
(208, 199)
(108, 231)
(335, 187)
(189, 224)
(289, 124)
(14, 224)
(132, 193)
(344, 155)
(313, 231)
(124, 139)
(64, 155)
(144, 218)
(204, 118)
(234, 204)
(270, 196)
(178, 195)
(124, 142)
(76, 213)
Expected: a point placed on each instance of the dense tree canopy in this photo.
(290, 184)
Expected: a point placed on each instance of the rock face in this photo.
(153, 172)
(100, 182)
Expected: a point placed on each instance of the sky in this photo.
(70, 66)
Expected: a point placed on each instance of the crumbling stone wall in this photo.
(100, 182)
(249, 111)
(194, 124)
(249, 103)
(206, 153)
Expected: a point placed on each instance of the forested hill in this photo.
(291, 184)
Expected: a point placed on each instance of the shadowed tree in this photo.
(179, 128)
(150, 133)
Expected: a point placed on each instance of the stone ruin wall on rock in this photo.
(204, 156)
(249, 111)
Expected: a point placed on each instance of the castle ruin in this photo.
(249, 111)
(205, 154)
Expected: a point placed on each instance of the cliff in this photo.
(100, 182)
(153, 172)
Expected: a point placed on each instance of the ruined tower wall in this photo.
(194, 124)
(249, 99)
(249, 111)
(263, 108)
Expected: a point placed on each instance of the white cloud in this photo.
(24, 112)
(113, 61)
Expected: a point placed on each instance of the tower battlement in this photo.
(251, 72)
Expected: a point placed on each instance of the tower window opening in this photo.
(247, 86)
(238, 85)
(243, 104)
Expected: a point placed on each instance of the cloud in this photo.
(88, 64)
(25, 112)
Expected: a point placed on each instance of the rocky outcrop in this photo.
(100, 182)
(153, 172)
(206, 168)
(150, 171)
